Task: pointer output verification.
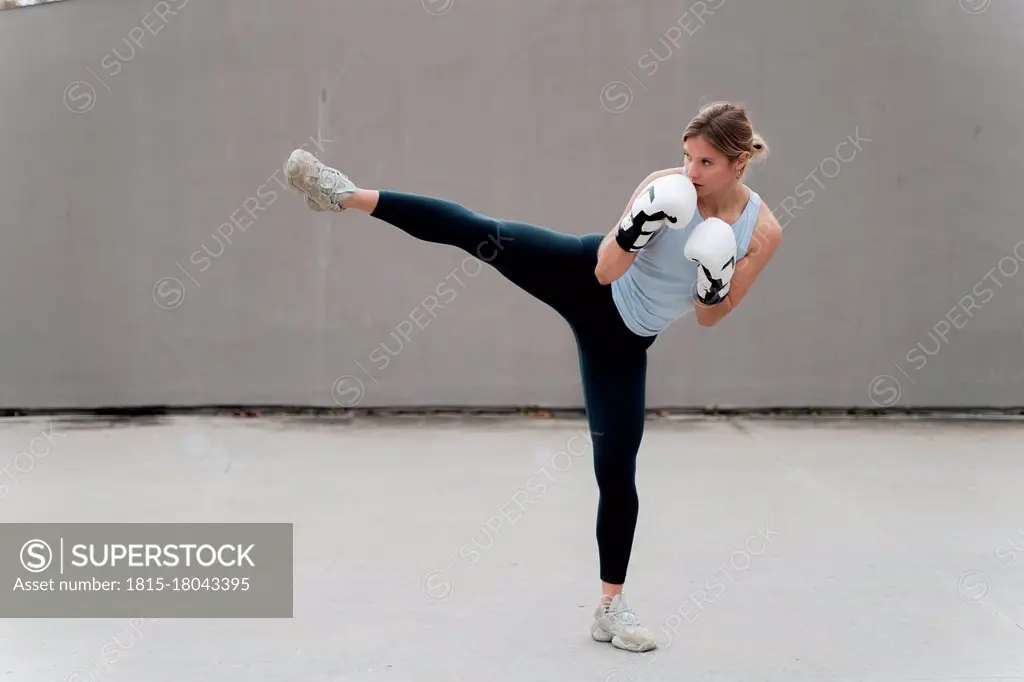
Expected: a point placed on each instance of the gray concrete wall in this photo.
(131, 135)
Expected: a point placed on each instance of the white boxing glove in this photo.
(669, 200)
(713, 247)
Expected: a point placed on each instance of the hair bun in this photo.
(759, 146)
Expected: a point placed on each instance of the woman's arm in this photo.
(612, 260)
(763, 243)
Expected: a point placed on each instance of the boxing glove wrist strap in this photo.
(709, 290)
(627, 239)
(711, 297)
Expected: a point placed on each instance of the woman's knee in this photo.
(498, 238)
(616, 480)
(484, 236)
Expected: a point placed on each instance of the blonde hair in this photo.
(726, 126)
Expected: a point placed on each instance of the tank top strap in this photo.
(744, 226)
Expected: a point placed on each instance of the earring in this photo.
(738, 174)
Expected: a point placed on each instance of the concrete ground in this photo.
(463, 548)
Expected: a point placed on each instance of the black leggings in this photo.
(558, 269)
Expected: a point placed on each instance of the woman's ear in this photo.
(741, 162)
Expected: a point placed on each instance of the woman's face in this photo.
(707, 168)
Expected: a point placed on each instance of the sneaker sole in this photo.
(619, 643)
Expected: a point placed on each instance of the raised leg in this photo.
(549, 265)
(554, 267)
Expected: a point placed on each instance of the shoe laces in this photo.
(330, 181)
(625, 616)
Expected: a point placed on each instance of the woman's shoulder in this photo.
(765, 222)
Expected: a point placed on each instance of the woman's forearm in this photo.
(612, 260)
(710, 315)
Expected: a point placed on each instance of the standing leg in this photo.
(551, 266)
(613, 384)
(613, 364)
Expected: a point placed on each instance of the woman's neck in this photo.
(725, 203)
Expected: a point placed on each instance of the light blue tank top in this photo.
(658, 288)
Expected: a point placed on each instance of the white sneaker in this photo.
(617, 624)
(323, 187)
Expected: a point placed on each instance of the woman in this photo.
(691, 238)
